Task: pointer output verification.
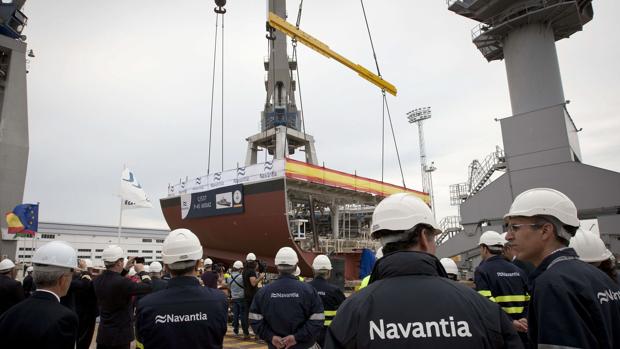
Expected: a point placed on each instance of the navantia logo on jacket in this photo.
(427, 329)
(174, 318)
(608, 296)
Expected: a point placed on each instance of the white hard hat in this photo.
(589, 246)
(89, 263)
(147, 269)
(238, 265)
(286, 256)
(321, 262)
(379, 253)
(450, 266)
(132, 271)
(250, 257)
(181, 245)
(56, 253)
(297, 271)
(6, 265)
(29, 269)
(544, 201)
(112, 253)
(208, 261)
(491, 238)
(155, 267)
(399, 212)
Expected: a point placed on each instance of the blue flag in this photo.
(24, 219)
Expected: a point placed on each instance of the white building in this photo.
(90, 240)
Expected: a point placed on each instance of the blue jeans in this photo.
(238, 306)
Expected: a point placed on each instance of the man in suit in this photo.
(27, 283)
(41, 321)
(11, 291)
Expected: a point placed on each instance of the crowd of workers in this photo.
(542, 284)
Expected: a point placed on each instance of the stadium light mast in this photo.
(417, 116)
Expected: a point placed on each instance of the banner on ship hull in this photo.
(220, 201)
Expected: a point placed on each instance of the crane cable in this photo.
(218, 11)
(385, 108)
(301, 102)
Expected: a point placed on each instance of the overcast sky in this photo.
(129, 82)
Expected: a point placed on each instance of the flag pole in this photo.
(120, 222)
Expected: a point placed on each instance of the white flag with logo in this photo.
(131, 191)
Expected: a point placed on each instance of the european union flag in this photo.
(24, 219)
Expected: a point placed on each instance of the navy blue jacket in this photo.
(411, 303)
(11, 293)
(159, 284)
(39, 322)
(114, 295)
(505, 284)
(184, 315)
(331, 297)
(573, 304)
(287, 307)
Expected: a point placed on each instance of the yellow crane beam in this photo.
(280, 24)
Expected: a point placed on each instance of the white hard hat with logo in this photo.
(56, 253)
(112, 254)
(491, 238)
(6, 265)
(250, 257)
(321, 262)
(238, 265)
(208, 261)
(589, 246)
(181, 245)
(449, 265)
(544, 201)
(399, 212)
(286, 256)
(155, 267)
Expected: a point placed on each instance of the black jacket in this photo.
(39, 322)
(185, 315)
(11, 293)
(86, 309)
(159, 284)
(573, 304)
(331, 297)
(410, 303)
(287, 307)
(114, 296)
(505, 284)
(28, 285)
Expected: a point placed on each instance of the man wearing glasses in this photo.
(41, 321)
(573, 304)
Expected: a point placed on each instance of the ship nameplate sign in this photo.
(215, 202)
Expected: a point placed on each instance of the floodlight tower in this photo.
(417, 116)
(541, 142)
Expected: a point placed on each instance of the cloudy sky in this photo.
(129, 82)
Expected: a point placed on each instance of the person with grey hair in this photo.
(287, 313)
(573, 304)
(184, 315)
(41, 321)
(11, 290)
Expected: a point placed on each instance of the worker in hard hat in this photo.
(41, 321)
(502, 282)
(184, 315)
(450, 267)
(158, 284)
(27, 282)
(591, 249)
(287, 313)
(331, 295)
(410, 302)
(297, 274)
(511, 255)
(209, 276)
(11, 290)
(114, 295)
(235, 284)
(251, 279)
(86, 306)
(573, 303)
(366, 279)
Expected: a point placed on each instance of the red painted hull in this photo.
(262, 228)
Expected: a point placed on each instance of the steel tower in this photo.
(540, 139)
